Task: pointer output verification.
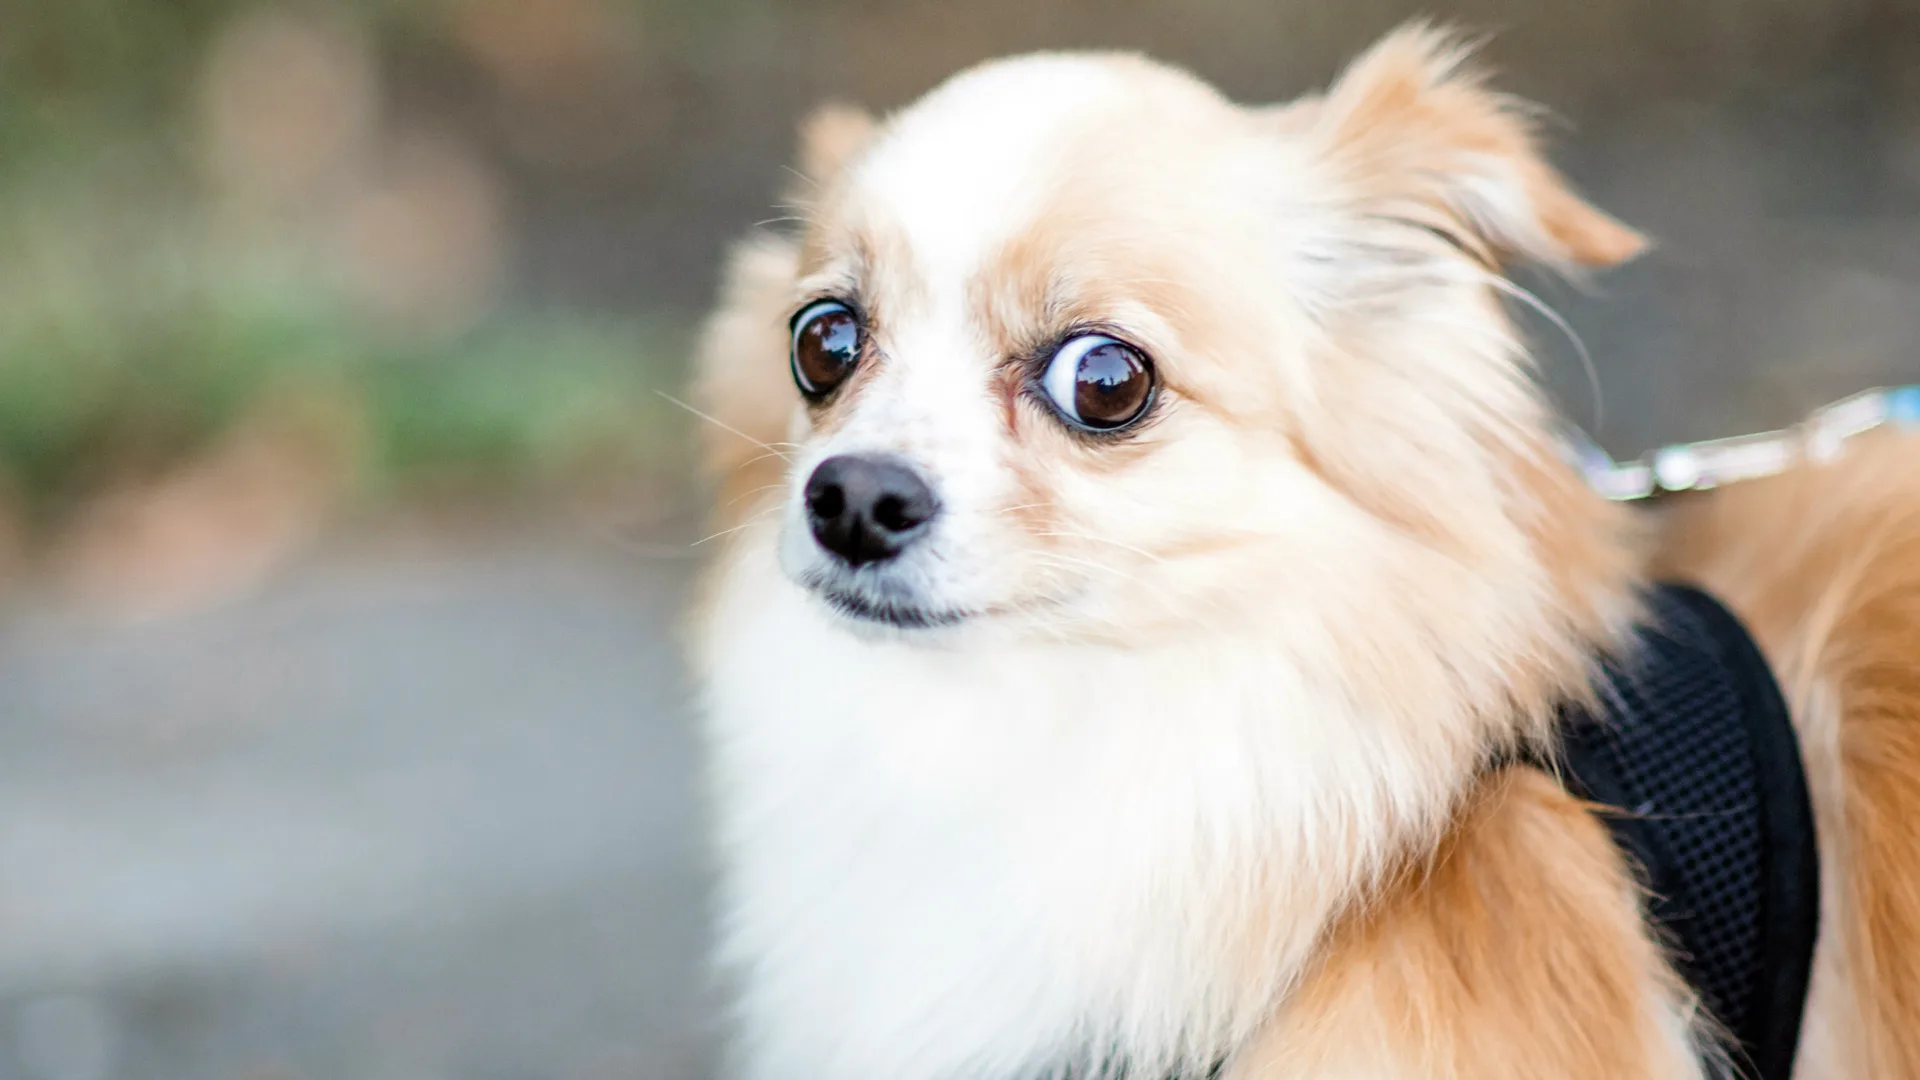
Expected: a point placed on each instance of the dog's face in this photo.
(1080, 348)
(1013, 334)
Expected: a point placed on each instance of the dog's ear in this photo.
(829, 137)
(1417, 134)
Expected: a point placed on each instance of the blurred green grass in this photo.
(92, 390)
(148, 357)
(134, 332)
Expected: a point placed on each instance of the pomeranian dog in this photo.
(1148, 561)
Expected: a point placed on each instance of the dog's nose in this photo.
(868, 507)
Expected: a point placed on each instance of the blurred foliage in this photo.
(93, 392)
(134, 331)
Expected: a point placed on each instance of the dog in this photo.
(1151, 585)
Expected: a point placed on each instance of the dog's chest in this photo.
(941, 865)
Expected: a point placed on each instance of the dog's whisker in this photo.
(726, 427)
(1070, 535)
(1529, 299)
(747, 524)
(745, 495)
(628, 545)
(804, 211)
(647, 550)
(1158, 594)
(757, 458)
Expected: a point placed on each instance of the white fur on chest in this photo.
(980, 860)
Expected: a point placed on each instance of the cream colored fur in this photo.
(1187, 777)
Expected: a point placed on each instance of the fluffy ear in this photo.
(1420, 136)
(829, 137)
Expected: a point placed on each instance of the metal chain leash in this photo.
(1697, 466)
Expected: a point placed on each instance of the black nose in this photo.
(868, 507)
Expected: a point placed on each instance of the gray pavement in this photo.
(406, 813)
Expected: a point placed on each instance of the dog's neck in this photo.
(985, 860)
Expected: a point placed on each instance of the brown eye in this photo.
(826, 346)
(1098, 382)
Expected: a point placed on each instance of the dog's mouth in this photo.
(882, 603)
(893, 613)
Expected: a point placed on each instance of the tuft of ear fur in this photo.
(1424, 139)
(829, 138)
(740, 381)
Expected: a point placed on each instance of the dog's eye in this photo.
(1098, 382)
(826, 346)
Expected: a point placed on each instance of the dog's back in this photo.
(1823, 563)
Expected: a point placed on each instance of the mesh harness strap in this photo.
(1694, 755)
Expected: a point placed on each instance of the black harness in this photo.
(1694, 752)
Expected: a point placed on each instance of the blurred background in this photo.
(342, 528)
